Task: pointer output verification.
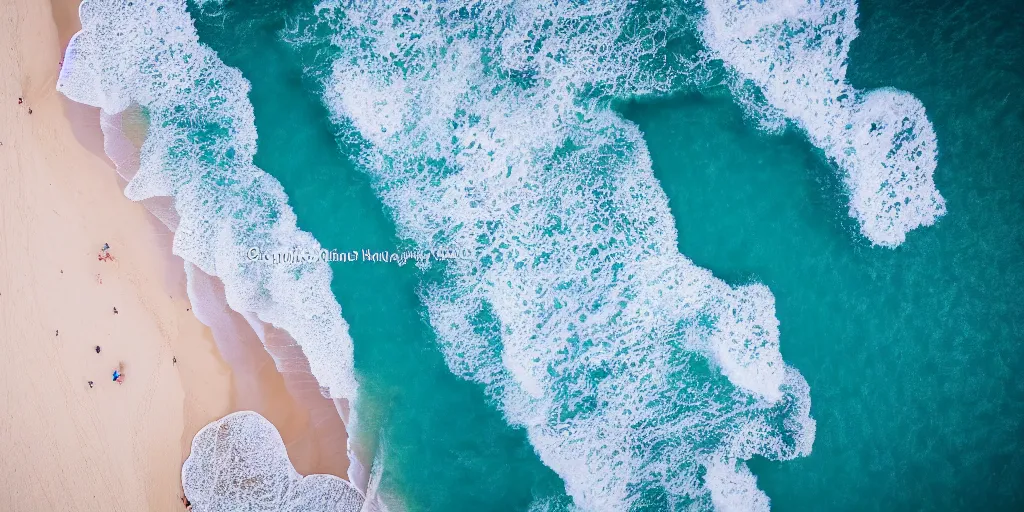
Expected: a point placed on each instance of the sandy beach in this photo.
(66, 444)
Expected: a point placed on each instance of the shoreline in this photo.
(269, 372)
(68, 446)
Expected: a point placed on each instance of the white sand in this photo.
(64, 445)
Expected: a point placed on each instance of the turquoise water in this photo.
(911, 354)
(447, 448)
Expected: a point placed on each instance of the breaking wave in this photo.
(795, 52)
(141, 63)
(640, 378)
(198, 152)
(239, 462)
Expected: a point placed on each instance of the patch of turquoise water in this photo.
(446, 447)
(914, 356)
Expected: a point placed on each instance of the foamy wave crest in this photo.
(239, 462)
(734, 487)
(198, 151)
(796, 53)
(487, 127)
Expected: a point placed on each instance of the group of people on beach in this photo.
(104, 254)
(117, 375)
(22, 101)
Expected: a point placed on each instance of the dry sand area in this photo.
(113, 446)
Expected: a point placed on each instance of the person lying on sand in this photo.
(119, 373)
(104, 254)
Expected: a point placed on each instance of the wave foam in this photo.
(487, 128)
(239, 462)
(796, 53)
(199, 151)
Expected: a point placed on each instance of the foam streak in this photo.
(199, 151)
(486, 126)
(796, 53)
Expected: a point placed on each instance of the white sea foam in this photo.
(239, 462)
(796, 53)
(195, 173)
(486, 127)
(199, 152)
(734, 488)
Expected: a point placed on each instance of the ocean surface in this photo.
(686, 255)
